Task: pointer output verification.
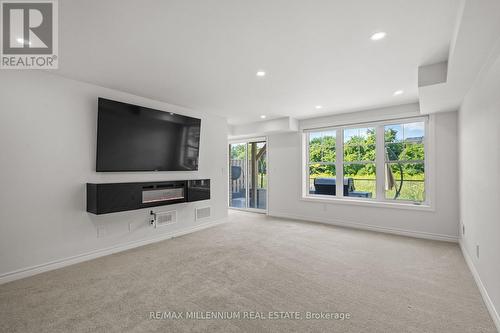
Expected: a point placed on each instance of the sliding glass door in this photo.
(248, 175)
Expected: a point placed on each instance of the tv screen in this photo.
(135, 138)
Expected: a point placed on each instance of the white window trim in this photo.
(380, 200)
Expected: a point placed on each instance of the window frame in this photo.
(380, 198)
(308, 162)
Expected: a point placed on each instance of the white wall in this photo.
(47, 155)
(279, 125)
(442, 223)
(479, 128)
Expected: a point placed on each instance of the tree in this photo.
(322, 149)
(360, 149)
(238, 152)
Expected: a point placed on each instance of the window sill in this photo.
(367, 203)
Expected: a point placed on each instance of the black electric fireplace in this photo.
(117, 197)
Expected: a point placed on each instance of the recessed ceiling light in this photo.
(319, 107)
(378, 35)
(261, 73)
(398, 92)
(263, 116)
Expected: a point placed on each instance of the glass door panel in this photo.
(237, 171)
(257, 175)
(248, 175)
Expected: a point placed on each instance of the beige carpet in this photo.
(254, 263)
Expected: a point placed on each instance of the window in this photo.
(359, 162)
(394, 171)
(321, 162)
(405, 161)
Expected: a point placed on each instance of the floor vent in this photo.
(203, 212)
(165, 218)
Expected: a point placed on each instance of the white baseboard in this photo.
(29, 271)
(362, 226)
(484, 293)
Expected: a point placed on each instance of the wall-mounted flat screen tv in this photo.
(135, 138)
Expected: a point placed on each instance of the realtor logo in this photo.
(29, 34)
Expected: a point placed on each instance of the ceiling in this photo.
(204, 54)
